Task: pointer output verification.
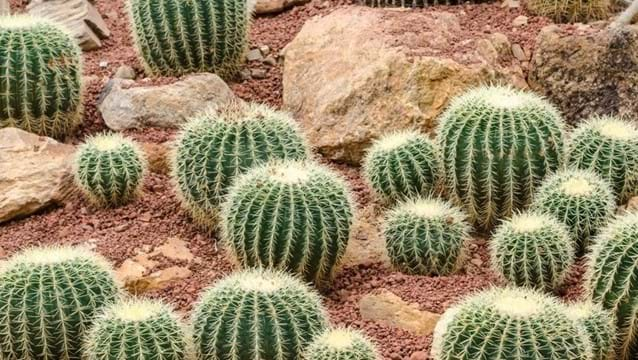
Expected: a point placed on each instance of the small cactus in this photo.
(257, 314)
(512, 324)
(178, 37)
(426, 237)
(214, 148)
(41, 82)
(571, 11)
(341, 344)
(137, 329)
(532, 250)
(293, 216)
(402, 165)
(109, 169)
(578, 198)
(49, 297)
(498, 144)
(600, 325)
(608, 146)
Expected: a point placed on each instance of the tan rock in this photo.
(366, 245)
(275, 6)
(175, 249)
(5, 7)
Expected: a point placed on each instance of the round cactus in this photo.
(415, 3)
(426, 237)
(293, 216)
(571, 11)
(600, 325)
(179, 37)
(609, 146)
(402, 165)
(512, 324)
(341, 344)
(257, 314)
(49, 297)
(214, 148)
(532, 250)
(137, 329)
(578, 198)
(498, 144)
(41, 83)
(109, 169)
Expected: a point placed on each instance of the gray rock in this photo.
(254, 55)
(258, 73)
(270, 61)
(125, 72)
(275, 6)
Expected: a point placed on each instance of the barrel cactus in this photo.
(415, 3)
(599, 324)
(426, 237)
(215, 147)
(402, 165)
(341, 344)
(571, 11)
(179, 37)
(578, 198)
(532, 250)
(41, 82)
(609, 146)
(257, 314)
(109, 169)
(512, 324)
(49, 297)
(498, 144)
(293, 216)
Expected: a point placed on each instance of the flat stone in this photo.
(254, 55)
(519, 53)
(258, 73)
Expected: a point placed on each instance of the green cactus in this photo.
(257, 314)
(341, 344)
(532, 250)
(48, 299)
(214, 148)
(498, 144)
(578, 198)
(416, 3)
(600, 325)
(138, 329)
(293, 216)
(402, 165)
(41, 82)
(512, 324)
(109, 169)
(175, 37)
(426, 237)
(611, 280)
(609, 146)
(571, 11)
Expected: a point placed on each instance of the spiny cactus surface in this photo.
(341, 344)
(416, 3)
(571, 11)
(600, 325)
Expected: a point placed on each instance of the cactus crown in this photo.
(341, 343)
(599, 324)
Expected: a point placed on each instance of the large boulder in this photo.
(588, 71)
(359, 72)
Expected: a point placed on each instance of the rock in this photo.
(5, 7)
(348, 77)
(258, 73)
(389, 309)
(103, 64)
(520, 21)
(35, 172)
(175, 249)
(158, 280)
(254, 55)
(270, 61)
(275, 6)
(157, 157)
(519, 53)
(511, 4)
(593, 71)
(630, 207)
(125, 72)
(419, 355)
(366, 246)
(166, 106)
(265, 50)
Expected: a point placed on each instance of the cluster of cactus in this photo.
(402, 165)
(257, 314)
(498, 144)
(513, 324)
(109, 169)
(415, 3)
(137, 329)
(612, 281)
(341, 344)
(49, 297)
(571, 11)
(289, 215)
(41, 83)
(426, 237)
(608, 146)
(578, 198)
(179, 37)
(215, 147)
(600, 326)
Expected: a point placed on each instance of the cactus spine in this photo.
(498, 144)
(414, 3)
(600, 325)
(48, 299)
(341, 344)
(293, 216)
(571, 11)
(257, 314)
(176, 37)
(41, 83)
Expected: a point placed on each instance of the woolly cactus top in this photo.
(612, 128)
(341, 343)
(529, 222)
(575, 183)
(136, 310)
(107, 142)
(262, 281)
(429, 208)
(503, 97)
(394, 140)
(50, 255)
(25, 21)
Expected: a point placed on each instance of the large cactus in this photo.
(600, 325)
(498, 144)
(293, 216)
(48, 299)
(341, 344)
(571, 11)
(175, 37)
(41, 82)
(257, 314)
